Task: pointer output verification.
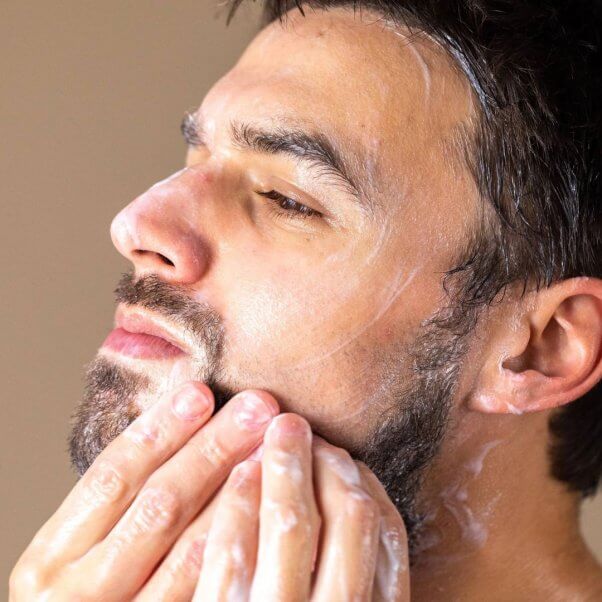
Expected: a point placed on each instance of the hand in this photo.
(138, 496)
(308, 502)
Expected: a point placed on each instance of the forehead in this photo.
(383, 94)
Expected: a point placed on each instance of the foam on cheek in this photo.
(357, 402)
(401, 282)
(384, 233)
(375, 397)
(487, 402)
(165, 382)
(513, 409)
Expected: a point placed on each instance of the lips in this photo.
(139, 337)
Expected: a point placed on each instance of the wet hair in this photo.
(535, 155)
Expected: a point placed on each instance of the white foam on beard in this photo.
(163, 379)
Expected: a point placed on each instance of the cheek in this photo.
(296, 310)
(284, 313)
(292, 310)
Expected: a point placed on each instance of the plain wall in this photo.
(91, 102)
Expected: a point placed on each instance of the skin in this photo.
(334, 294)
(137, 499)
(341, 295)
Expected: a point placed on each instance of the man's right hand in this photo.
(139, 495)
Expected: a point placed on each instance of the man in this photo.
(388, 231)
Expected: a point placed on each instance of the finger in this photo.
(176, 492)
(392, 579)
(106, 489)
(231, 549)
(289, 520)
(176, 577)
(349, 546)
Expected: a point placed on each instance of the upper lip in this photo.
(137, 322)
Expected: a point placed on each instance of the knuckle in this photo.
(340, 463)
(290, 518)
(146, 437)
(192, 558)
(157, 509)
(359, 506)
(212, 454)
(25, 578)
(285, 464)
(104, 483)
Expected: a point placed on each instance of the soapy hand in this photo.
(141, 492)
(309, 523)
(153, 520)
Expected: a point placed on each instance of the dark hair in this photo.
(535, 155)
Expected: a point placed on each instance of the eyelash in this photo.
(284, 206)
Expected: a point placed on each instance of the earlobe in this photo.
(551, 358)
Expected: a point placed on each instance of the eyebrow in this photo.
(313, 149)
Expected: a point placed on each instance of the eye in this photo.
(287, 207)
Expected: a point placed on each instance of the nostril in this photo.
(164, 259)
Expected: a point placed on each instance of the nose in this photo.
(156, 234)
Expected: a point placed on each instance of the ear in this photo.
(547, 354)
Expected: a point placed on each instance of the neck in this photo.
(497, 527)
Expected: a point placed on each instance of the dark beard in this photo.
(398, 451)
(108, 407)
(410, 433)
(106, 410)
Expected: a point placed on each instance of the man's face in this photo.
(322, 309)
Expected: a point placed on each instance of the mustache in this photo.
(199, 320)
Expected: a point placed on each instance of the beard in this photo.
(108, 405)
(398, 450)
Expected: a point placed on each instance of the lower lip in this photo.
(139, 345)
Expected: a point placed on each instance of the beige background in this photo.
(91, 99)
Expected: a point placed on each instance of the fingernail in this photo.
(252, 412)
(190, 403)
(286, 426)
